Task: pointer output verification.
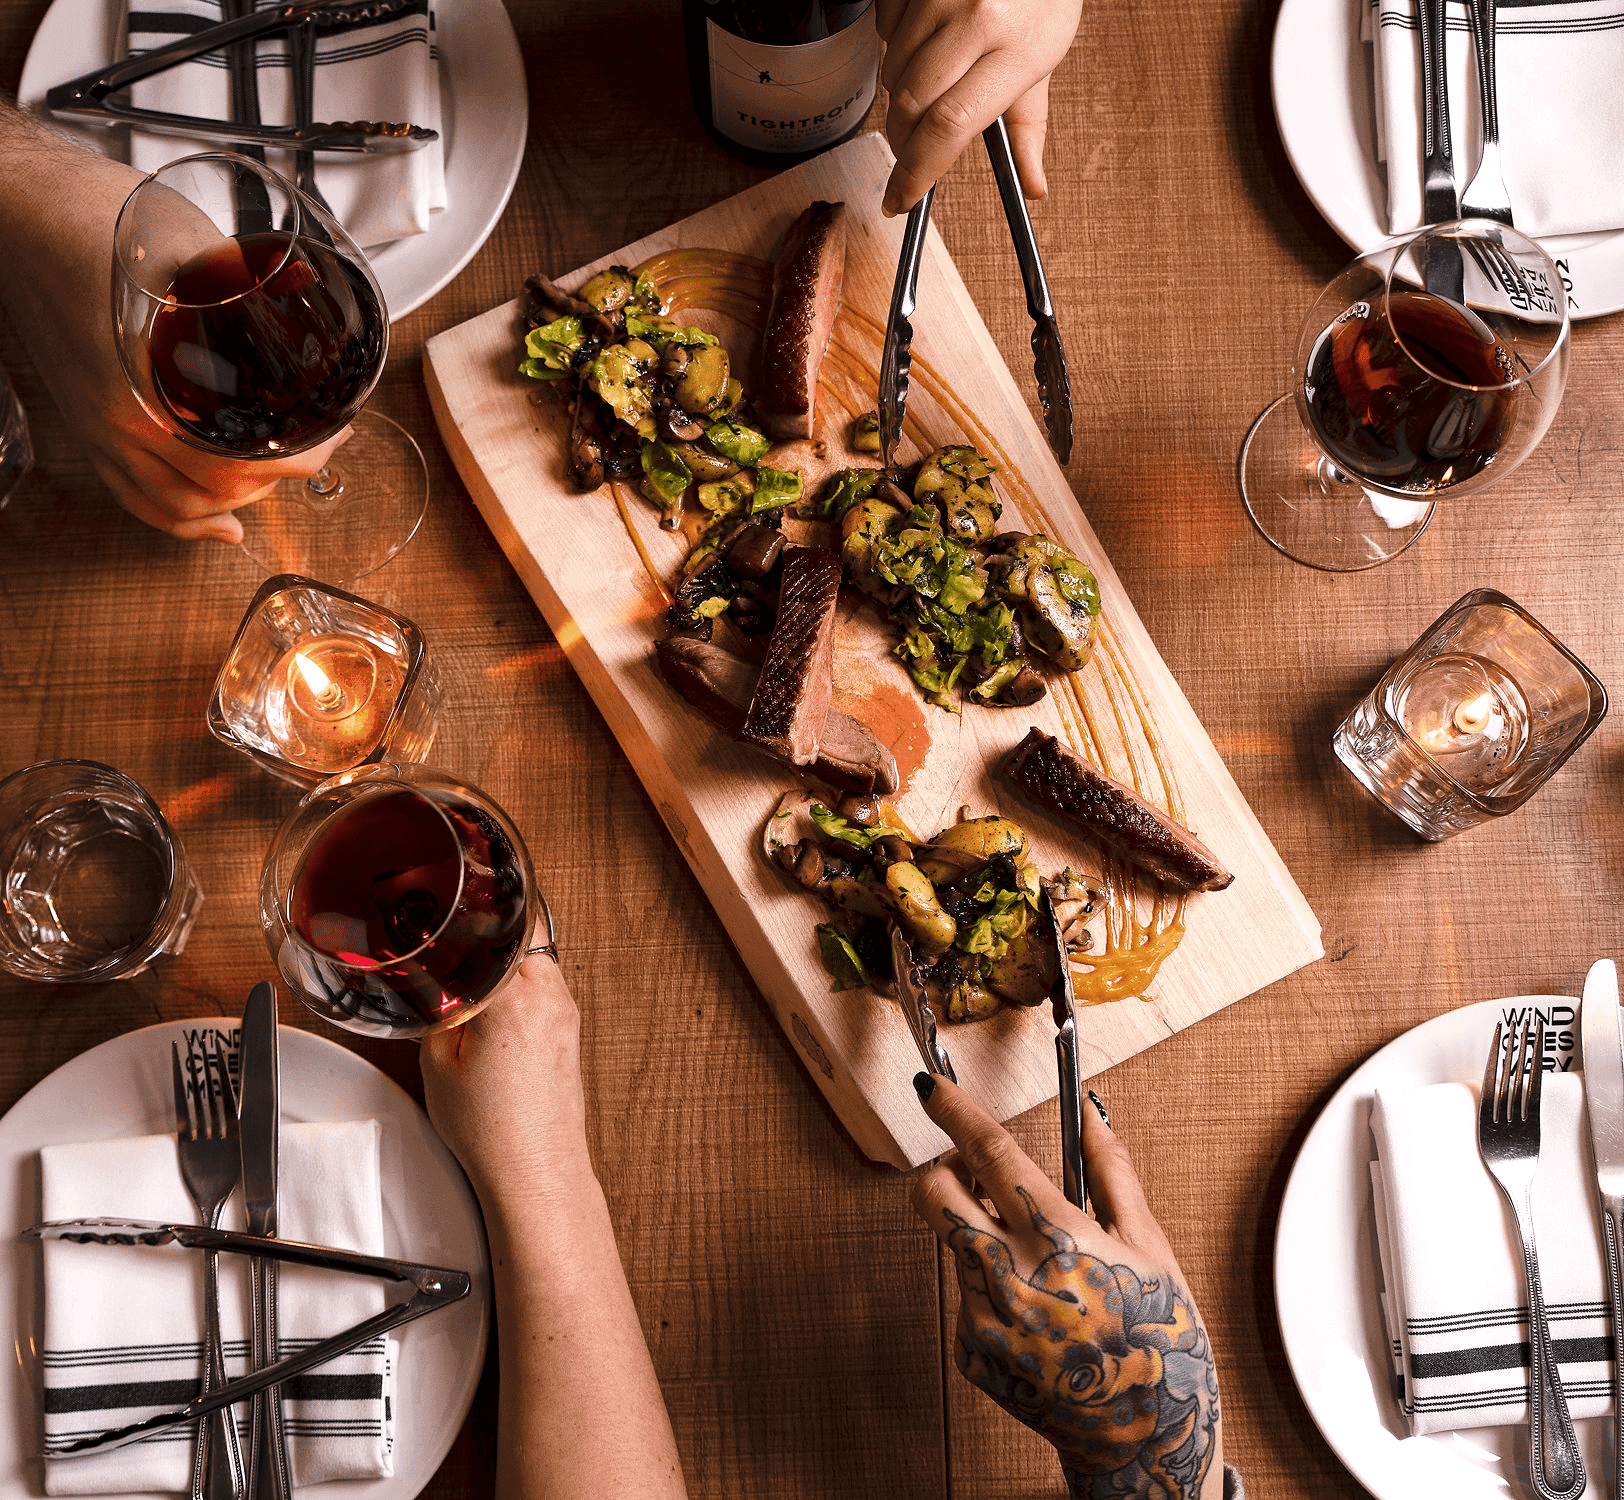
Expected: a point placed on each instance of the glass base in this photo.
(1306, 508)
(352, 517)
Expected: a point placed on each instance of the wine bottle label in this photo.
(792, 99)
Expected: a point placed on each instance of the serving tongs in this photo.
(433, 1288)
(87, 98)
(916, 1008)
(1073, 1170)
(1048, 352)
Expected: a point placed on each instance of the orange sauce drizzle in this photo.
(1143, 922)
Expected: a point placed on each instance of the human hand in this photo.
(952, 67)
(504, 1089)
(58, 206)
(1080, 1327)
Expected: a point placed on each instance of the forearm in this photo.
(1090, 1486)
(581, 1414)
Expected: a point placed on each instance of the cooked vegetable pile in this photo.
(652, 398)
(972, 603)
(966, 901)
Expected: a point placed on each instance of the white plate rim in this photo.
(430, 1214)
(485, 102)
(1319, 83)
(1333, 1334)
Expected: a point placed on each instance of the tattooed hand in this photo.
(1081, 1328)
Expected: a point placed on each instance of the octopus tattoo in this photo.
(1112, 1368)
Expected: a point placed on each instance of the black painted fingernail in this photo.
(924, 1086)
(1099, 1106)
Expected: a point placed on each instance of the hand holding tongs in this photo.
(86, 98)
(1074, 1170)
(1054, 384)
(433, 1287)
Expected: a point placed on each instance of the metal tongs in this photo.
(87, 98)
(916, 1007)
(1049, 353)
(433, 1287)
(1073, 1170)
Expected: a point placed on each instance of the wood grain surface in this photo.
(585, 566)
(799, 1316)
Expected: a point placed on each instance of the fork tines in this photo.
(1516, 1086)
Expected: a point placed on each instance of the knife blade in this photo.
(259, 1122)
(1442, 273)
(1048, 352)
(916, 1007)
(1604, 1102)
(896, 359)
(1063, 1001)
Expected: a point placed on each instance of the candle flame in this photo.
(316, 680)
(1473, 715)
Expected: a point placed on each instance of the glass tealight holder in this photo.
(1472, 720)
(318, 681)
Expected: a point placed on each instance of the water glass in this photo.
(95, 883)
(1472, 720)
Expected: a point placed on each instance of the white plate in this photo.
(1326, 1284)
(122, 1088)
(1324, 104)
(484, 102)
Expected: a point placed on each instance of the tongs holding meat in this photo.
(88, 97)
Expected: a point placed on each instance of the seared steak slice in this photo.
(806, 296)
(1055, 777)
(720, 686)
(792, 694)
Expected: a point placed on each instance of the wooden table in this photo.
(800, 1318)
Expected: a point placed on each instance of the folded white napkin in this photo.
(123, 1323)
(1557, 64)
(376, 70)
(1454, 1297)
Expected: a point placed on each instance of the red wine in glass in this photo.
(410, 907)
(266, 343)
(1418, 400)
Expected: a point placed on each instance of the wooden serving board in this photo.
(594, 568)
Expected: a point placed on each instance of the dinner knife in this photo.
(1604, 1101)
(1442, 273)
(259, 1123)
(1048, 353)
(1062, 999)
(896, 359)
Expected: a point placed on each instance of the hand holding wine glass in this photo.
(58, 206)
(1425, 369)
(256, 343)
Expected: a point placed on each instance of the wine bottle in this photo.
(777, 81)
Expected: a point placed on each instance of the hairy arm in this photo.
(581, 1415)
(1081, 1328)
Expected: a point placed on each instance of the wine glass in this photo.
(396, 900)
(254, 332)
(1428, 368)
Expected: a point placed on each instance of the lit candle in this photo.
(328, 700)
(1475, 714)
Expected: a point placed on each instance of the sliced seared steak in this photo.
(1055, 777)
(720, 686)
(806, 296)
(792, 694)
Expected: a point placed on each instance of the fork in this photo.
(1508, 1137)
(211, 1164)
(1486, 196)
